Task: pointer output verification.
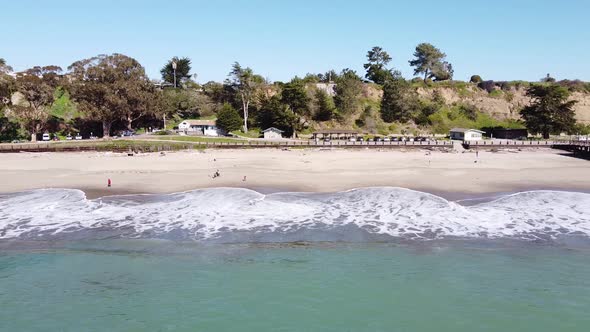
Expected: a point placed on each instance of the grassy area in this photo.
(196, 139)
(451, 117)
(496, 94)
(119, 145)
(252, 133)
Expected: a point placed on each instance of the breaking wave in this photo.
(229, 214)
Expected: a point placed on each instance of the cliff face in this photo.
(501, 104)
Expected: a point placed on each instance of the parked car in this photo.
(360, 139)
(352, 139)
(386, 139)
(69, 137)
(127, 133)
(78, 137)
(46, 137)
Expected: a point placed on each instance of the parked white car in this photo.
(46, 137)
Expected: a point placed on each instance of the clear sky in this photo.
(499, 39)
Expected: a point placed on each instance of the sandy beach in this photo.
(294, 170)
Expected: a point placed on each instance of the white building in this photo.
(466, 134)
(272, 133)
(200, 127)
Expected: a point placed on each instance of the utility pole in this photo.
(174, 68)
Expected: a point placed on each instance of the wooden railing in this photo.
(147, 145)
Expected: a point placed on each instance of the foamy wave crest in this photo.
(241, 215)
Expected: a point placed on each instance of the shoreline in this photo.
(453, 176)
(463, 198)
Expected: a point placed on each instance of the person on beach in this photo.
(109, 183)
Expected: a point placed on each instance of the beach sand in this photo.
(296, 170)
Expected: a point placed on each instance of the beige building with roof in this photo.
(200, 127)
(466, 134)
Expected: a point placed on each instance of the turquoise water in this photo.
(142, 285)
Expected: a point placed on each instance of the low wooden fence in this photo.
(504, 143)
(156, 146)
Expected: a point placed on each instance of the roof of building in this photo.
(464, 130)
(200, 122)
(273, 129)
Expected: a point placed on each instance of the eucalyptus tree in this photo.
(7, 83)
(109, 88)
(36, 87)
(246, 84)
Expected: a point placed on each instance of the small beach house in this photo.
(466, 134)
(272, 133)
(200, 127)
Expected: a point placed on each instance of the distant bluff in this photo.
(500, 104)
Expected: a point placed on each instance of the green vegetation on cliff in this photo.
(107, 94)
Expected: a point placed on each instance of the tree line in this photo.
(109, 93)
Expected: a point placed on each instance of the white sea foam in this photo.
(212, 213)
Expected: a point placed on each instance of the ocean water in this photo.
(374, 259)
(137, 285)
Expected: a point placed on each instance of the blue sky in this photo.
(500, 39)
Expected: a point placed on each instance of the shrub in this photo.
(519, 84)
(575, 85)
(475, 79)
(422, 117)
(496, 94)
(469, 111)
(489, 86)
(360, 122)
(509, 96)
(438, 98)
(228, 118)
